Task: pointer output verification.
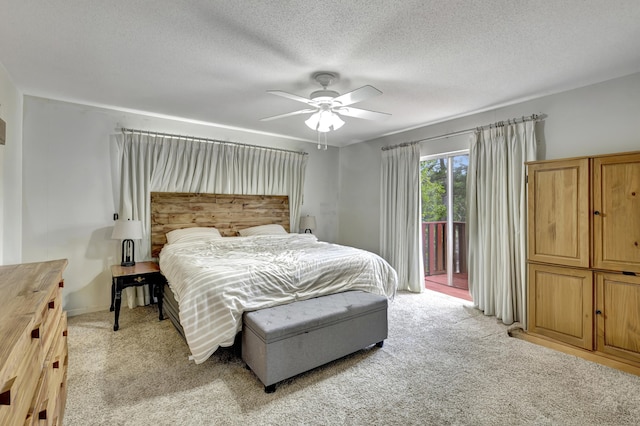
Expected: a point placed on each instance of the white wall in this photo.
(598, 119)
(68, 189)
(10, 172)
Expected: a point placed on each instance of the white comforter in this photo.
(215, 281)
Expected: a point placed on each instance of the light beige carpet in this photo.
(444, 363)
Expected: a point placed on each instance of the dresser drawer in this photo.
(51, 319)
(45, 407)
(61, 388)
(57, 366)
(23, 341)
(38, 407)
(17, 391)
(62, 400)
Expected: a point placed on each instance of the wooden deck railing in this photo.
(434, 237)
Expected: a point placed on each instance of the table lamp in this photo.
(127, 231)
(308, 223)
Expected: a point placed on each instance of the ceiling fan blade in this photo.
(361, 113)
(290, 96)
(302, 111)
(358, 95)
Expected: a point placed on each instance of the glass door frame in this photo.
(449, 156)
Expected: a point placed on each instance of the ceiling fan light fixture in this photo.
(324, 96)
(324, 121)
(327, 106)
(336, 121)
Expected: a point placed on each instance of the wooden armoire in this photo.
(584, 257)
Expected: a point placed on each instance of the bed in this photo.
(213, 279)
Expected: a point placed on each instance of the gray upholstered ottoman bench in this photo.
(286, 340)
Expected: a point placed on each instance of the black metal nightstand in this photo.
(129, 276)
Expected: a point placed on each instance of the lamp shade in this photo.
(308, 222)
(324, 121)
(127, 230)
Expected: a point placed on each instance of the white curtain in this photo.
(497, 221)
(400, 236)
(157, 163)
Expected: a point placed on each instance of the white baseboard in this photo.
(80, 311)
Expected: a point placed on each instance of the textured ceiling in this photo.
(213, 61)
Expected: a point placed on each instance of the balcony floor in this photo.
(439, 283)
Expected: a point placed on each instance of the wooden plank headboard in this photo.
(228, 213)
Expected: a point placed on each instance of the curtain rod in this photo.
(195, 138)
(532, 117)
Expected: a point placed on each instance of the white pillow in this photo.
(263, 230)
(192, 235)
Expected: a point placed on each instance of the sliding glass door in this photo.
(444, 216)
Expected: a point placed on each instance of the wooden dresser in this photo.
(33, 353)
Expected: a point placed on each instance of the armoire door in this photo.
(618, 315)
(561, 304)
(558, 210)
(616, 212)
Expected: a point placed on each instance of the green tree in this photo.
(433, 176)
(460, 164)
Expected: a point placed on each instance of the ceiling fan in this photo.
(326, 106)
